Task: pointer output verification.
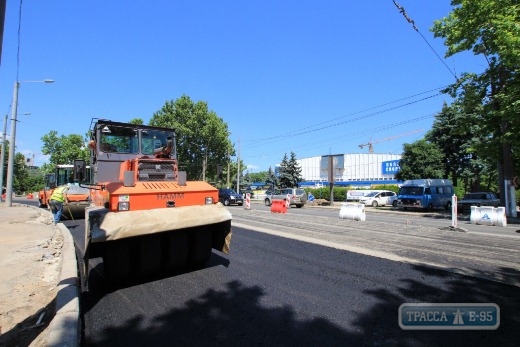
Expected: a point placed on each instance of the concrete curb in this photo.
(64, 329)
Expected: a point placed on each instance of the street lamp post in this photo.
(10, 164)
(2, 156)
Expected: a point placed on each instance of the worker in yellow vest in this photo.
(58, 198)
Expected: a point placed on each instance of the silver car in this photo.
(297, 196)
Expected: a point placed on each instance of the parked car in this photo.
(250, 191)
(230, 197)
(478, 199)
(297, 196)
(379, 199)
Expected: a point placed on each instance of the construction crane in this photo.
(371, 143)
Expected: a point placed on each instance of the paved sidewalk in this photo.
(39, 286)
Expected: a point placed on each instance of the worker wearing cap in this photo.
(56, 202)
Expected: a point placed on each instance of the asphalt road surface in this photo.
(484, 251)
(308, 278)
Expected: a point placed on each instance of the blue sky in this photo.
(310, 77)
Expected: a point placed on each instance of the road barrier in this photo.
(278, 206)
(488, 215)
(247, 205)
(352, 211)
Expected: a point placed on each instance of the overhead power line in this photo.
(321, 126)
(340, 139)
(411, 21)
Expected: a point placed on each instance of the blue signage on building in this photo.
(390, 167)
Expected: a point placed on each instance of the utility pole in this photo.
(204, 163)
(12, 147)
(238, 168)
(331, 178)
(10, 164)
(228, 167)
(2, 158)
(204, 169)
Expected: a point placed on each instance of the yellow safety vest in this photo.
(57, 195)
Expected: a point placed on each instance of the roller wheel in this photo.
(200, 247)
(176, 253)
(148, 254)
(116, 261)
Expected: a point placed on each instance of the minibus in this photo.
(425, 194)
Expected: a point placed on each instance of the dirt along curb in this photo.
(39, 283)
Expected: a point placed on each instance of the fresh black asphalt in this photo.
(272, 291)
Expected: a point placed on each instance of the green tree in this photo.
(284, 177)
(247, 178)
(421, 159)
(6, 161)
(138, 121)
(233, 169)
(202, 137)
(450, 131)
(20, 174)
(261, 176)
(64, 149)
(290, 172)
(489, 28)
(25, 179)
(271, 178)
(457, 132)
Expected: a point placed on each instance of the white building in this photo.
(362, 169)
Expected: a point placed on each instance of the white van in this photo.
(357, 194)
(383, 198)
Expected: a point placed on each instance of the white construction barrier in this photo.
(352, 211)
(247, 204)
(454, 211)
(488, 215)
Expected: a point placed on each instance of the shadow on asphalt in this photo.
(97, 283)
(236, 317)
